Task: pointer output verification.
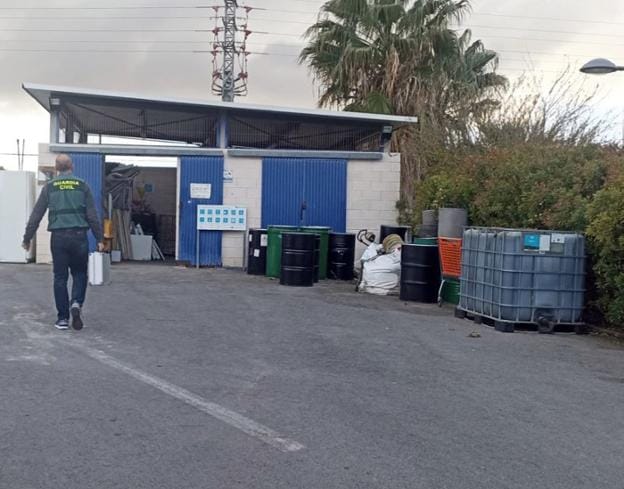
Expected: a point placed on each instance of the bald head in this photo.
(64, 163)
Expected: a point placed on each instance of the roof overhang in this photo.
(43, 93)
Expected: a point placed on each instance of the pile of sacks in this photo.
(381, 267)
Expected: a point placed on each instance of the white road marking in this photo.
(238, 421)
(44, 341)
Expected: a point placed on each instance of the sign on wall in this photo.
(201, 190)
(221, 218)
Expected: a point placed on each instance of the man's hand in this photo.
(100, 247)
(26, 245)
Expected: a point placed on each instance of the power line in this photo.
(282, 21)
(122, 17)
(156, 17)
(95, 51)
(308, 12)
(160, 41)
(168, 7)
(105, 30)
(177, 51)
(105, 41)
(180, 51)
(563, 41)
(142, 7)
(557, 19)
(549, 31)
(155, 7)
(15, 154)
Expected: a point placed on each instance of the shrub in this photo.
(606, 234)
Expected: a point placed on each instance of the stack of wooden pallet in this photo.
(121, 241)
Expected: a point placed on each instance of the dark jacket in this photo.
(70, 204)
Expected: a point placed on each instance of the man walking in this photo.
(71, 213)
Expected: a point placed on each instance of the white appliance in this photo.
(141, 247)
(17, 199)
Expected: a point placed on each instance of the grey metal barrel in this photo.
(429, 227)
(451, 222)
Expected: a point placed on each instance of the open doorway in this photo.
(143, 215)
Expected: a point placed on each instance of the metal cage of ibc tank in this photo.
(515, 276)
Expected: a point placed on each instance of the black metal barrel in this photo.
(257, 252)
(341, 256)
(298, 258)
(386, 230)
(420, 273)
(317, 258)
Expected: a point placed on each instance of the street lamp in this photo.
(600, 66)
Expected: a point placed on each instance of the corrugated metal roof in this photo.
(42, 94)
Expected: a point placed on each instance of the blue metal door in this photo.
(90, 167)
(312, 192)
(199, 169)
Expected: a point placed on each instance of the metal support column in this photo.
(55, 125)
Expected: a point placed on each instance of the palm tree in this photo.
(402, 57)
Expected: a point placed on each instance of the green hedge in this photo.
(545, 186)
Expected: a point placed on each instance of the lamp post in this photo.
(601, 66)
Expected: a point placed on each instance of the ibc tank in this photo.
(523, 276)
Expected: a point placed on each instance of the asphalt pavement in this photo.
(187, 378)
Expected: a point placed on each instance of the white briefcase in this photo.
(99, 268)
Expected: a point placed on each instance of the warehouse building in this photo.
(284, 166)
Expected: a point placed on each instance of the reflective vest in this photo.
(67, 203)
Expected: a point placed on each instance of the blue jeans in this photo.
(70, 252)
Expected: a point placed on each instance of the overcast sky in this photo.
(540, 36)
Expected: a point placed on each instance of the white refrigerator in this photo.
(17, 199)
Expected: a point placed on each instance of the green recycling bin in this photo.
(425, 241)
(274, 249)
(323, 232)
(450, 291)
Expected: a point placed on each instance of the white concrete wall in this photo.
(245, 190)
(373, 189)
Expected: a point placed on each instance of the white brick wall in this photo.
(373, 188)
(244, 190)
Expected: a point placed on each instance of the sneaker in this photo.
(77, 323)
(62, 324)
